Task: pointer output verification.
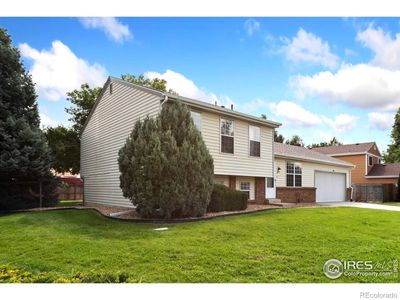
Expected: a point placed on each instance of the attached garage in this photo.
(331, 186)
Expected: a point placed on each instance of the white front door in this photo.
(270, 191)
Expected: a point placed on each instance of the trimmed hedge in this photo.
(226, 199)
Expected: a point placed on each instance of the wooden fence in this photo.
(374, 192)
(70, 189)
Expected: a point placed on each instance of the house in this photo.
(303, 175)
(241, 145)
(367, 160)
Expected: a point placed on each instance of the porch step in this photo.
(275, 201)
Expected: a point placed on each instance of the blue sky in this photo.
(320, 77)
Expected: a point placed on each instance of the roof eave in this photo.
(302, 158)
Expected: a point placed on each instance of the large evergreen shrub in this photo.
(226, 199)
(166, 169)
(24, 155)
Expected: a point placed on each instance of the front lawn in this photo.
(69, 202)
(285, 245)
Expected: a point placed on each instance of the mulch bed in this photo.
(130, 214)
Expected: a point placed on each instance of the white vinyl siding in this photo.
(106, 132)
(224, 180)
(196, 116)
(244, 180)
(308, 172)
(239, 163)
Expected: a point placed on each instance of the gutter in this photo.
(326, 162)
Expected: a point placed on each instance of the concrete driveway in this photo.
(360, 205)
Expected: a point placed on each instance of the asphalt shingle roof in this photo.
(341, 149)
(385, 170)
(306, 154)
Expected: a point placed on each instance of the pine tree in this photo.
(393, 152)
(166, 169)
(24, 154)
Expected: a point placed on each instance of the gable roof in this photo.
(348, 149)
(302, 153)
(385, 170)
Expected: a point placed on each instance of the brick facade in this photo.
(260, 190)
(296, 194)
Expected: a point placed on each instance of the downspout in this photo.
(165, 100)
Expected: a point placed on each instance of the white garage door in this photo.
(331, 187)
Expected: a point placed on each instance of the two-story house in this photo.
(367, 160)
(241, 145)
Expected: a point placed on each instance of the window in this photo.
(270, 182)
(379, 161)
(227, 136)
(369, 160)
(196, 116)
(245, 187)
(293, 174)
(254, 137)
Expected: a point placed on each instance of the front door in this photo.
(270, 188)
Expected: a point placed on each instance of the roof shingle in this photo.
(385, 170)
(345, 149)
(306, 154)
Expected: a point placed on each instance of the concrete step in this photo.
(275, 201)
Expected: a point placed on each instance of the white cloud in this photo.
(359, 85)
(114, 29)
(380, 121)
(297, 116)
(342, 123)
(187, 88)
(251, 26)
(307, 47)
(386, 49)
(58, 70)
(46, 121)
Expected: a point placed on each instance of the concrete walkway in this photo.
(360, 205)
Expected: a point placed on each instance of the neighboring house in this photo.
(241, 145)
(303, 175)
(367, 160)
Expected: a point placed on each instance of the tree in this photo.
(296, 140)
(332, 142)
(263, 116)
(83, 101)
(155, 83)
(393, 151)
(25, 158)
(65, 145)
(278, 137)
(398, 189)
(166, 169)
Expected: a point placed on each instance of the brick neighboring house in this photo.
(369, 169)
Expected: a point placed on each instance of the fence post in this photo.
(40, 192)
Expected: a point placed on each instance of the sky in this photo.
(319, 77)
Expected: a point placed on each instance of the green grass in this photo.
(286, 245)
(69, 202)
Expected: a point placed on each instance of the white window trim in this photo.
(250, 126)
(294, 173)
(232, 136)
(368, 158)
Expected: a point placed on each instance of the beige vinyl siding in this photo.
(222, 179)
(308, 171)
(106, 132)
(240, 163)
(252, 185)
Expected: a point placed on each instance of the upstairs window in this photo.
(293, 174)
(196, 116)
(369, 160)
(227, 136)
(255, 138)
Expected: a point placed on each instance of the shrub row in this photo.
(226, 199)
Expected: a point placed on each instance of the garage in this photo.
(331, 186)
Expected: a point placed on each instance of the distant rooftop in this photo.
(345, 149)
(306, 154)
(385, 170)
